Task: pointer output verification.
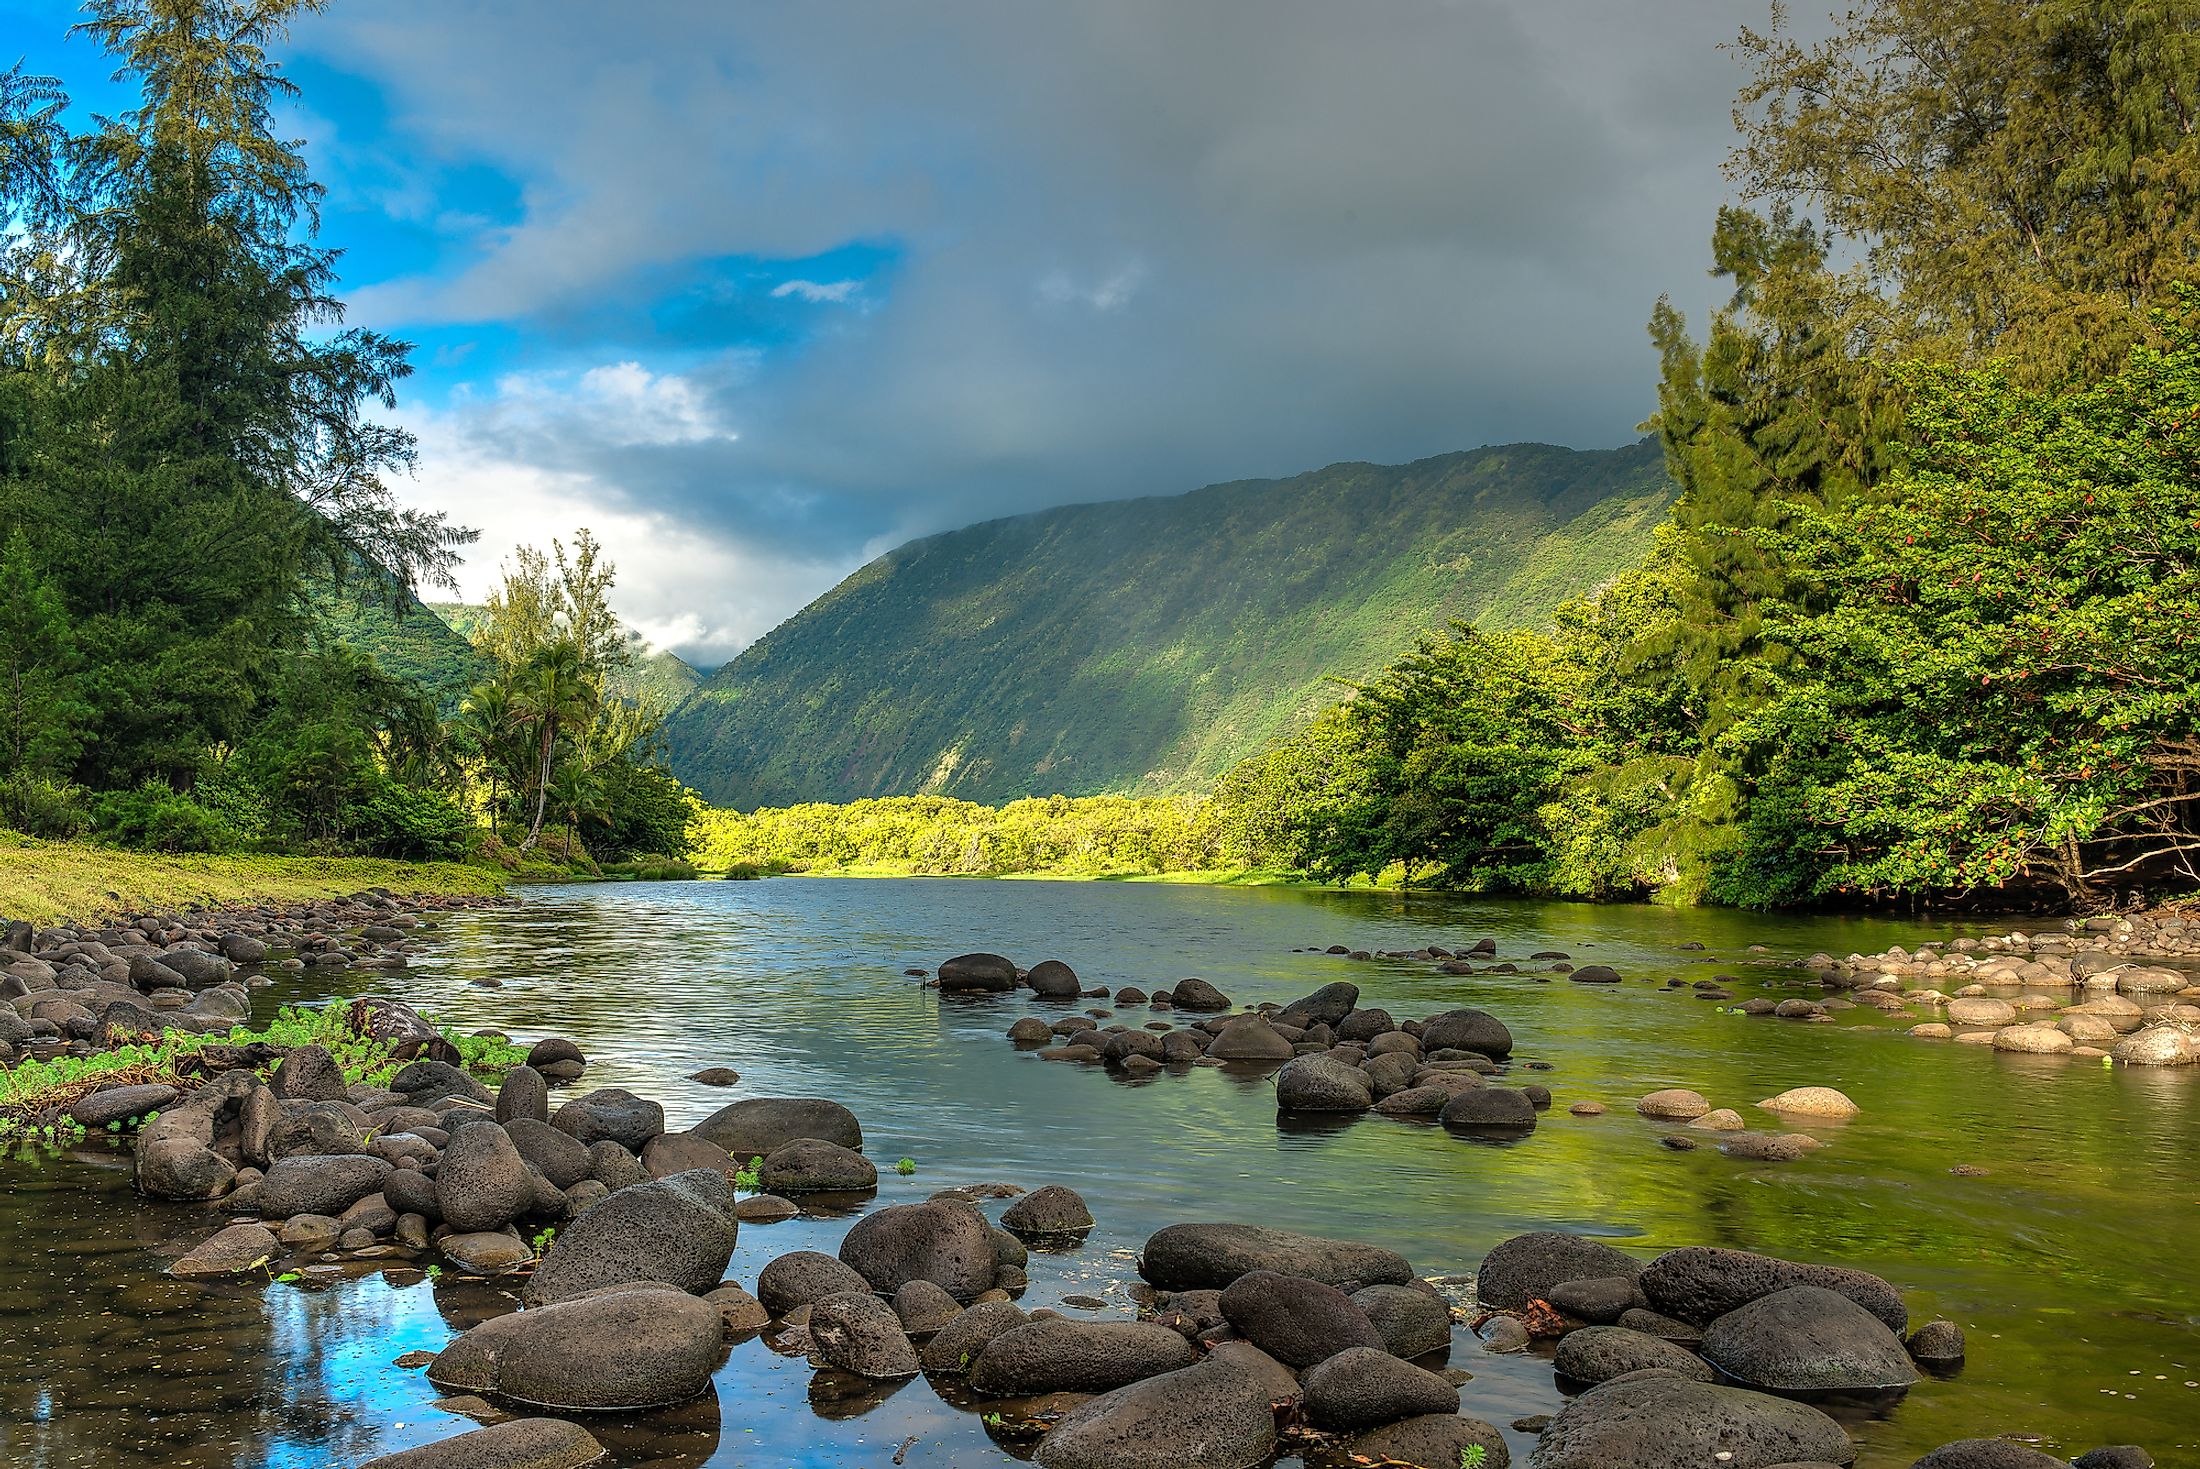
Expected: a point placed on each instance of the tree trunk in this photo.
(542, 792)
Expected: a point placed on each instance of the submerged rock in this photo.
(522, 1443)
(645, 1347)
(1058, 1355)
(1211, 1256)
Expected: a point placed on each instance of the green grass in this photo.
(52, 882)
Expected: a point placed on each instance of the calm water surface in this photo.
(2070, 1262)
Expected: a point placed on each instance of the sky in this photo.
(759, 291)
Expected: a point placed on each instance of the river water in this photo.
(2070, 1260)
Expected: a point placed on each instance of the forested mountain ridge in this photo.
(1146, 645)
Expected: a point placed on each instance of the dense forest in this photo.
(1921, 622)
(197, 535)
(1147, 645)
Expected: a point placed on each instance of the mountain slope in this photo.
(1146, 645)
(411, 641)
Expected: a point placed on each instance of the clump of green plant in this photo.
(906, 1167)
(745, 1178)
(1472, 1455)
(541, 1242)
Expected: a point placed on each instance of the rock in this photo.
(424, 1083)
(1981, 1010)
(765, 1209)
(2157, 1045)
(314, 1185)
(680, 1230)
(611, 1114)
(556, 1058)
(1467, 1030)
(2045, 1039)
(1297, 1321)
(1054, 980)
(1599, 1300)
(812, 1166)
(1417, 1101)
(1363, 1387)
(1031, 1031)
(309, 1074)
(1762, 1148)
(715, 1076)
(960, 1342)
(1674, 1102)
(1057, 1355)
(1048, 1211)
(1724, 1119)
(1600, 1353)
(1527, 1267)
(1198, 995)
(1807, 1339)
(1701, 1283)
(1505, 1334)
(1937, 1343)
(1216, 1414)
(1587, 1109)
(558, 1156)
(483, 1182)
(524, 1094)
(803, 1278)
(1662, 1421)
(946, 1242)
(683, 1152)
(1412, 1321)
(520, 1443)
(1811, 1101)
(740, 1313)
(309, 1233)
(232, 1251)
(1493, 1109)
(978, 974)
(409, 1191)
(488, 1252)
(1319, 1084)
(645, 1347)
(1211, 1256)
(1595, 974)
(1433, 1441)
(856, 1332)
(2117, 1456)
(760, 1126)
(1987, 1453)
(923, 1308)
(120, 1103)
(1251, 1038)
(1328, 1005)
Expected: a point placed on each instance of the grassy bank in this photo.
(46, 882)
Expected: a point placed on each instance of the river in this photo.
(2069, 1259)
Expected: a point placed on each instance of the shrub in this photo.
(399, 821)
(157, 818)
(42, 808)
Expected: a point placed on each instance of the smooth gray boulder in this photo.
(1298, 1321)
(1365, 1387)
(611, 1114)
(758, 1126)
(1528, 1266)
(1701, 1283)
(1210, 1256)
(311, 1185)
(959, 1343)
(978, 974)
(639, 1347)
(1413, 1321)
(802, 1278)
(483, 1182)
(522, 1443)
(944, 1241)
(857, 1332)
(1467, 1030)
(1439, 1440)
(1658, 1420)
(1600, 1353)
(680, 1229)
(1058, 1355)
(1807, 1339)
(1212, 1415)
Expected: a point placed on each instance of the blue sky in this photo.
(759, 291)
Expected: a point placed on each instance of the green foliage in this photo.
(42, 808)
(1149, 645)
(156, 818)
(745, 1179)
(404, 636)
(907, 1167)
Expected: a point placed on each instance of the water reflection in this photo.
(2059, 1257)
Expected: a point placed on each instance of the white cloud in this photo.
(835, 292)
(1113, 293)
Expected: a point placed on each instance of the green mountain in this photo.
(409, 640)
(657, 672)
(1147, 645)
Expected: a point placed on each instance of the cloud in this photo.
(1137, 246)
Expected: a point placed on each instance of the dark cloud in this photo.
(1136, 245)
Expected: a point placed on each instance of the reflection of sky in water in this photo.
(798, 985)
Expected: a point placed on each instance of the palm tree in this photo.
(485, 724)
(552, 696)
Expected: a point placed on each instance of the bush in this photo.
(398, 821)
(157, 818)
(646, 813)
(42, 808)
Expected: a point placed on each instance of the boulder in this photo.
(558, 1156)
(309, 1074)
(521, 1443)
(645, 1347)
(525, 1093)
(1938, 1343)
(1328, 1005)
(1700, 1283)
(557, 1058)
(923, 1308)
(1211, 1256)
(1599, 1300)
(759, 1126)
(1987, 1453)
(1058, 1355)
(1198, 995)
(1432, 1441)
(1675, 1103)
(1600, 1353)
(857, 1332)
(1487, 1110)
(1319, 1084)
(1215, 1414)
(1658, 1420)
(682, 1152)
(955, 1346)
(1054, 980)
(978, 974)
(1811, 1101)
(1363, 1387)
(483, 1182)
(120, 1103)
(1251, 1038)
(424, 1083)
(811, 1166)
(2157, 1045)
(1467, 1030)
(232, 1251)
(611, 1114)
(1049, 1211)
(1412, 1320)
(1528, 1266)
(614, 1166)
(1297, 1321)
(739, 1312)
(1807, 1338)
(803, 1278)
(944, 1241)
(1981, 1010)
(314, 1185)
(487, 1252)
(680, 1230)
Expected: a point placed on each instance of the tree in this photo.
(553, 699)
(40, 714)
